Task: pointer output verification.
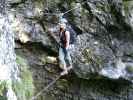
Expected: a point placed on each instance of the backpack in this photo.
(73, 35)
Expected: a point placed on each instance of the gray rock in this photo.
(104, 34)
(14, 1)
(104, 46)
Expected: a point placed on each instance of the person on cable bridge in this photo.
(64, 53)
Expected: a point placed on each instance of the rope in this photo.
(46, 88)
(68, 10)
(74, 8)
(47, 3)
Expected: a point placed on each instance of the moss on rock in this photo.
(90, 57)
(129, 69)
(5, 85)
(3, 88)
(62, 84)
(126, 6)
(24, 89)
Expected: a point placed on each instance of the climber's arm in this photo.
(67, 34)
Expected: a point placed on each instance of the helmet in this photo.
(62, 25)
(63, 20)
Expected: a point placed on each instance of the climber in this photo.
(64, 54)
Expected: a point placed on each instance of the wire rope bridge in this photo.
(56, 79)
(46, 88)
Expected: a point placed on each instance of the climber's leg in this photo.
(68, 60)
(62, 61)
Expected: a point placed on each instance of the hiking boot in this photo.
(65, 72)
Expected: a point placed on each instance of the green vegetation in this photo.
(126, 6)
(129, 69)
(3, 87)
(103, 7)
(62, 84)
(24, 89)
(91, 58)
(70, 1)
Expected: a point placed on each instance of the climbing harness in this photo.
(46, 88)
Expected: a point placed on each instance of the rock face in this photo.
(107, 44)
(103, 50)
(104, 34)
(69, 87)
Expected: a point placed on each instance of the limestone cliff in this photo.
(102, 55)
